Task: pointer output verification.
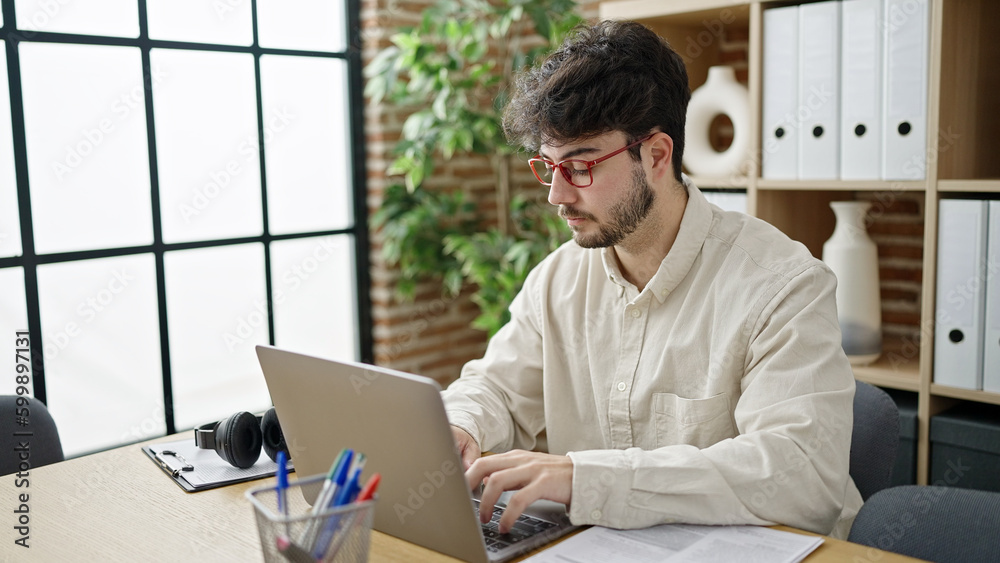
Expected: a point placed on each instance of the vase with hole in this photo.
(721, 94)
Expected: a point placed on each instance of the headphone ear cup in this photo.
(238, 440)
(273, 438)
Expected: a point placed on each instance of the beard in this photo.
(624, 217)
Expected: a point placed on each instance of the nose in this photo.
(561, 192)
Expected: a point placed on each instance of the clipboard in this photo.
(195, 469)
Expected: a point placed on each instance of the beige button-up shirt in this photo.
(719, 394)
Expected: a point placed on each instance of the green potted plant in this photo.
(454, 68)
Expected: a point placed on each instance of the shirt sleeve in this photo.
(498, 398)
(789, 462)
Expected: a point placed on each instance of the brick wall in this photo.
(432, 335)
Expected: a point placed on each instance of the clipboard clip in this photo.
(175, 469)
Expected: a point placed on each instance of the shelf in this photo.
(735, 183)
(978, 186)
(696, 29)
(969, 121)
(965, 394)
(896, 368)
(680, 12)
(844, 185)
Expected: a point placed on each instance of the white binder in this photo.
(779, 121)
(907, 49)
(961, 293)
(861, 90)
(991, 344)
(819, 91)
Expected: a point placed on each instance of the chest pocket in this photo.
(697, 422)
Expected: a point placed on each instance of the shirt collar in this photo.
(695, 225)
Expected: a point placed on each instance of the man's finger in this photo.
(498, 482)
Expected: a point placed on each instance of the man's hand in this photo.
(533, 475)
(468, 449)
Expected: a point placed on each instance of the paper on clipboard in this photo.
(197, 469)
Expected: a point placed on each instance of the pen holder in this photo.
(340, 534)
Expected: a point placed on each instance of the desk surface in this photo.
(119, 506)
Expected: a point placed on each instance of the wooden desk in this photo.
(119, 506)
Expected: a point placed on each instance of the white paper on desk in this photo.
(682, 543)
(210, 469)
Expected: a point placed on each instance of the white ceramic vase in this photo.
(853, 256)
(720, 94)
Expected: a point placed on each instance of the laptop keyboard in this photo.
(524, 527)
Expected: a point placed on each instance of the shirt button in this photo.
(664, 292)
(595, 515)
(621, 386)
(636, 313)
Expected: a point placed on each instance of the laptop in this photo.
(398, 421)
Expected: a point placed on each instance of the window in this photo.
(180, 181)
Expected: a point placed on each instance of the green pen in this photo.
(325, 495)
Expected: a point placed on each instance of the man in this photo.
(684, 362)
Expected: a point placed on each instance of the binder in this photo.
(779, 121)
(727, 201)
(961, 293)
(861, 90)
(991, 343)
(907, 49)
(819, 91)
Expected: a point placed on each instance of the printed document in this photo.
(682, 543)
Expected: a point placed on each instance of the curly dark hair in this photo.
(612, 76)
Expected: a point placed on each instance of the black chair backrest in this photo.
(874, 440)
(28, 435)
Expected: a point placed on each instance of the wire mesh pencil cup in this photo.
(340, 534)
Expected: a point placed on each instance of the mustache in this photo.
(567, 212)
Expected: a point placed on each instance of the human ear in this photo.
(662, 151)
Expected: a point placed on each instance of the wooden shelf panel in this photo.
(978, 186)
(965, 394)
(969, 120)
(737, 183)
(897, 368)
(844, 185)
(679, 12)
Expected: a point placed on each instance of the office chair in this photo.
(43, 443)
(942, 524)
(874, 439)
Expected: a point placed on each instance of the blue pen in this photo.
(283, 486)
(326, 495)
(344, 495)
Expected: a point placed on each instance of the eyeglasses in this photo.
(576, 172)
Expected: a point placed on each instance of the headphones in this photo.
(239, 438)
